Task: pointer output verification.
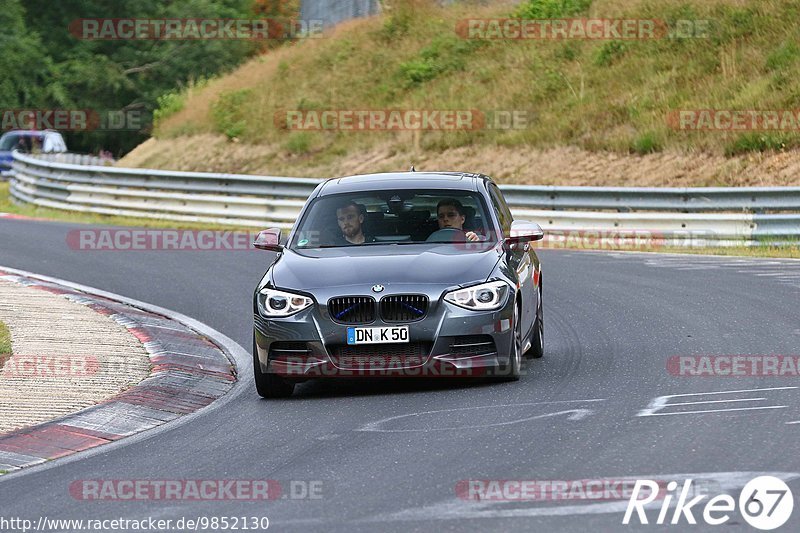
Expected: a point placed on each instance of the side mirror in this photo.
(524, 231)
(269, 239)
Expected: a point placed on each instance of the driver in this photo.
(450, 214)
(24, 145)
(350, 218)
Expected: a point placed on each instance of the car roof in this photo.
(32, 133)
(464, 181)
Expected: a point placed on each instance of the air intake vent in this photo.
(380, 356)
(288, 351)
(404, 307)
(352, 309)
(472, 345)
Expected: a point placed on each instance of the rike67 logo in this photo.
(765, 503)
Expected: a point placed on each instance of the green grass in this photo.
(5, 340)
(598, 95)
(792, 252)
(174, 101)
(544, 9)
(230, 111)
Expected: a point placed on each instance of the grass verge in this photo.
(777, 252)
(5, 340)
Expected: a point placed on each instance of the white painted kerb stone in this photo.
(48, 332)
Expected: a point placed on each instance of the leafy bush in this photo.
(168, 104)
(396, 26)
(734, 24)
(568, 51)
(299, 143)
(444, 54)
(783, 57)
(546, 9)
(647, 143)
(759, 142)
(609, 52)
(230, 111)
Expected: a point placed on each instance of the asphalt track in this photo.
(612, 322)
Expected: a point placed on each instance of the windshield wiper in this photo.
(324, 246)
(392, 242)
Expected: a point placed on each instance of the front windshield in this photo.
(8, 141)
(374, 218)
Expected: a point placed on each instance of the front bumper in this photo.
(448, 342)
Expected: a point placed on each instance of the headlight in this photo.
(484, 297)
(274, 303)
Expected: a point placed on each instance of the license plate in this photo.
(382, 335)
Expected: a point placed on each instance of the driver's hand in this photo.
(472, 236)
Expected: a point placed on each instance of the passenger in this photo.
(450, 214)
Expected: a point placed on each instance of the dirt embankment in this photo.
(557, 166)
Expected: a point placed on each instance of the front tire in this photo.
(537, 342)
(513, 369)
(269, 385)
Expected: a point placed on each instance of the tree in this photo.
(51, 67)
(25, 67)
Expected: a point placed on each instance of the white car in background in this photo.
(28, 141)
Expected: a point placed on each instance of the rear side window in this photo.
(501, 208)
(54, 143)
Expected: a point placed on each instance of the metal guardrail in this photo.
(76, 159)
(264, 201)
(685, 199)
(232, 199)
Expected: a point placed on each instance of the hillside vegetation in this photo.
(590, 102)
(49, 62)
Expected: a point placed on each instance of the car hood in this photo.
(447, 265)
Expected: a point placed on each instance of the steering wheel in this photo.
(447, 235)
